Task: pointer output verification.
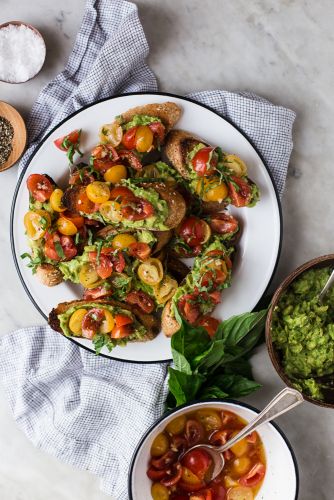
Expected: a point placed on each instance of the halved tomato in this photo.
(122, 320)
(239, 191)
(142, 300)
(120, 332)
(210, 324)
(254, 476)
(205, 161)
(129, 138)
(66, 141)
(223, 223)
(59, 247)
(139, 250)
(39, 187)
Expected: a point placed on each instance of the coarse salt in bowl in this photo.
(22, 52)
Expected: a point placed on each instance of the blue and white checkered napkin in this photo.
(69, 402)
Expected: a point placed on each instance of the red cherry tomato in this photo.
(205, 161)
(203, 495)
(120, 332)
(179, 443)
(218, 438)
(158, 129)
(140, 299)
(239, 191)
(139, 250)
(102, 165)
(194, 433)
(210, 324)
(198, 462)
(138, 209)
(254, 476)
(252, 437)
(156, 475)
(165, 461)
(96, 293)
(83, 203)
(66, 141)
(118, 261)
(39, 187)
(218, 490)
(81, 176)
(122, 194)
(91, 322)
(189, 307)
(122, 320)
(129, 138)
(103, 264)
(130, 158)
(59, 247)
(191, 487)
(192, 231)
(174, 476)
(223, 223)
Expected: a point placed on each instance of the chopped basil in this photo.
(59, 250)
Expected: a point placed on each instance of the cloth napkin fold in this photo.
(86, 410)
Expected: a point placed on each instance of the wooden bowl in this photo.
(21, 23)
(20, 134)
(275, 356)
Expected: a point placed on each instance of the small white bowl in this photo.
(281, 479)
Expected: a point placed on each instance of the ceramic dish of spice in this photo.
(22, 52)
(300, 331)
(13, 136)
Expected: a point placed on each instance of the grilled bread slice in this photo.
(169, 324)
(168, 112)
(149, 321)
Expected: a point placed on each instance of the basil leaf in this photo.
(59, 250)
(211, 357)
(233, 330)
(184, 387)
(90, 237)
(235, 385)
(213, 392)
(180, 362)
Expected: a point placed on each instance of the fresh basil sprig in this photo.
(217, 367)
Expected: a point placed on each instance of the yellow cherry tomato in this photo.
(111, 133)
(108, 323)
(98, 192)
(230, 482)
(143, 138)
(240, 493)
(88, 276)
(123, 241)
(159, 492)
(160, 445)
(36, 223)
(210, 419)
(177, 425)
(239, 448)
(189, 477)
(75, 323)
(165, 290)
(56, 200)
(211, 189)
(241, 465)
(234, 163)
(151, 271)
(115, 174)
(111, 211)
(66, 227)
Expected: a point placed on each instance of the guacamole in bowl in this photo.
(300, 332)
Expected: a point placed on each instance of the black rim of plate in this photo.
(166, 94)
(213, 401)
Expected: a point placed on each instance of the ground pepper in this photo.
(6, 138)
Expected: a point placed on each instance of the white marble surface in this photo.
(280, 49)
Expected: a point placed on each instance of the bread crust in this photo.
(168, 112)
(168, 323)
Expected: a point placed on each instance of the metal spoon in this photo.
(284, 401)
(327, 286)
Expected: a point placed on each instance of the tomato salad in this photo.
(178, 477)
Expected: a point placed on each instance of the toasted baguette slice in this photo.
(168, 112)
(162, 237)
(175, 202)
(177, 146)
(49, 275)
(168, 323)
(150, 322)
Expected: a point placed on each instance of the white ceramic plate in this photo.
(281, 479)
(261, 226)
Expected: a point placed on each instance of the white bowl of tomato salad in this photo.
(261, 467)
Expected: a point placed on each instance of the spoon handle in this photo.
(284, 401)
(326, 287)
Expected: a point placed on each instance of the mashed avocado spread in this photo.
(303, 331)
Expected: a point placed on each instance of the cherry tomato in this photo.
(102, 166)
(164, 461)
(66, 227)
(210, 419)
(144, 138)
(120, 332)
(194, 231)
(65, 142)
(56, 200)
(223, 223)
(111, 133)
(156, 475)
(81, 176)
(174, 476)
(189, 307)
(92, 322)
(205, 161)
(39, 187)
(138, 209)
(111, 211)
(103, 264)
(158, 129)
(142, 300)
(212, 279)
(59, 247)
(190, 482)
(96, 293)
(202, 495)
(98, 192)
(121, 194)
(36, 223)
(115, 174)
(159, 492)
(218, 490)
(76, 219)
(129, 138)
(218, 438)
(122, 241)
(239, 191)
(194, 432)
(179, 443)
(211, 189)
(118, 261)
(252, 437)
(75, 323)
(240, 493)
(139, 250)
(254, 476)
(160, 445)
(177, 425)
(88, 276)
(122, 320)
(198, 462)
(235, 164)
(210, 324)
(84, 204)
(131, 159)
